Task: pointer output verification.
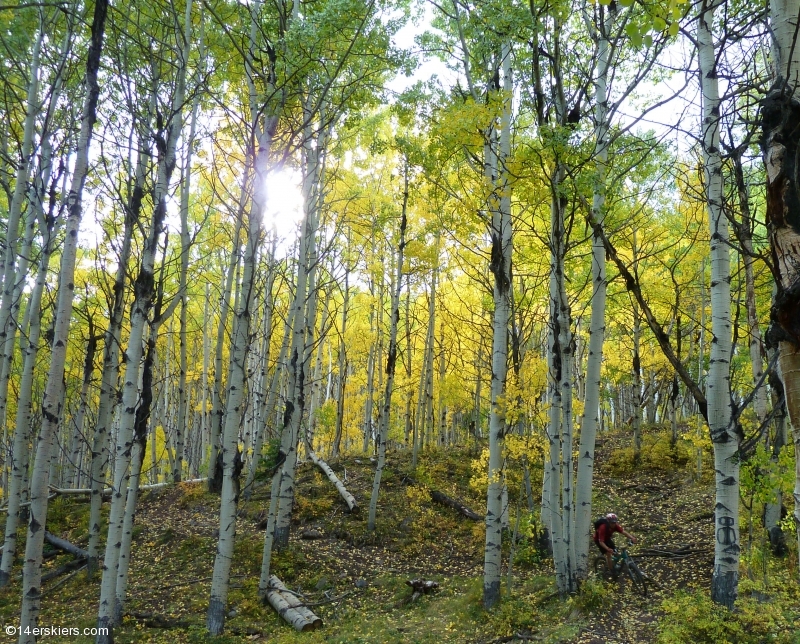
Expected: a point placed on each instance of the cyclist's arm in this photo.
(629, 536)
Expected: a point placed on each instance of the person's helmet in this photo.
(612, 517)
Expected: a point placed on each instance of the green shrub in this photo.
(695, 619)
(594, 596)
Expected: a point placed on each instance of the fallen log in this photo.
(439, 497)
(348, 498)
(290, 608)
(67, 567)
(66, 546)
(26, 504)
(58, 491)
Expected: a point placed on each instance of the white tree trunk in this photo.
(12, 227)
(590, 420)
(725, 579)
(111, 343)
(304, 325)
(500, 266)
(391, 360)
(51, 405)
(140, 311)
(337, 439)
(215, 617)
(24, 418)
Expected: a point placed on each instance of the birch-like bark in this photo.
(181, 424)
(111, 346)
(144, 292)
(408, 366)
(391, 360)
(141, 422)
(30, 348)
(215, 617)
(367, 432)
(51, 405)
(262, 414)
(496, 171)
(304, 325)
(280, 367)
(590, 420)
(12, 227)
(426, 376)
(725, 578)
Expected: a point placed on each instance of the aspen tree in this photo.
(48, 224)
(24, 429)
(262, 132)
(111, 345)
(304, 322)
(495, 164)
(391, 358)
(636, 391)
(51, 405)
(779, 113)
(720, 413)
(342, 368)
(144, 293)
(15, 209)
(597, 324)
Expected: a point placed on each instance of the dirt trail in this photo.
(659, 508)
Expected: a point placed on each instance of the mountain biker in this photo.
(605, 528)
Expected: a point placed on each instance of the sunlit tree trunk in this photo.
(304, 325)
(262, 414)
(51, 404)
(215, 617)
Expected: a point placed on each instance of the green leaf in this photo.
(659, 24)
(674, 28)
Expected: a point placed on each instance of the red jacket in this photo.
(606, 531)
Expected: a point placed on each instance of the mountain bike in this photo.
(624, 566)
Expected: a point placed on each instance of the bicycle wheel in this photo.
(638, 578)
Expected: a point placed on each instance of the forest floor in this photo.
(355, 579)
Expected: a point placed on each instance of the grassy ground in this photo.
(355, 580)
